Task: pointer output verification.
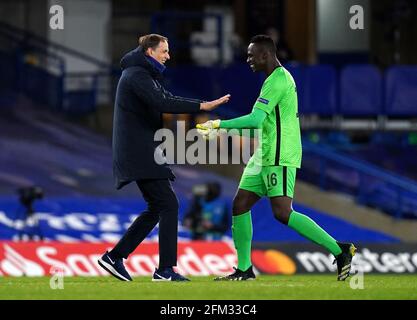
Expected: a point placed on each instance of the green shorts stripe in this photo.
(284, 180)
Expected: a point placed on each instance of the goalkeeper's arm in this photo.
(251, 121)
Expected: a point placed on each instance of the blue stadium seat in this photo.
(360, 90)
(321, 90)
(401, 91)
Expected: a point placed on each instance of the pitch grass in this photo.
(204, 288)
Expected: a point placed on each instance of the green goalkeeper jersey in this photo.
(280, 143)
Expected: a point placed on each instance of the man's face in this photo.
(256, 58)
(160, 53)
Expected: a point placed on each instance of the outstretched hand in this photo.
(211, 105)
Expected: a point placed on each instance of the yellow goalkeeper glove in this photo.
(211, 124)
(209, 130)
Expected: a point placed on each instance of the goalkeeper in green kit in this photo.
(272, 169)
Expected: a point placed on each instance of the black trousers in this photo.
(163, 208)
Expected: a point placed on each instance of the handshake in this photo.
(210, 129)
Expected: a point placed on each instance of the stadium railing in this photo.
(41, 72)
(370, 184)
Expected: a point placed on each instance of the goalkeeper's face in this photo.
(256, 59)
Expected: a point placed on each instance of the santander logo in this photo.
(80, 259)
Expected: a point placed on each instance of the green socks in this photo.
(311, 230)
(242, 237)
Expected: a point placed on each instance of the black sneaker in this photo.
(167, 274)
(114, 266)
(238, 275)
(344, 260)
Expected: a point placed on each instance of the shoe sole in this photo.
(249, 279)
(162, 280)
(111, 270)
(346, 273)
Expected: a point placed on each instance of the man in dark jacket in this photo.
(140, 101)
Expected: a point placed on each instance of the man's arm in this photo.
(239, 126)
(254, 120)
(169, 94)
(147, 89)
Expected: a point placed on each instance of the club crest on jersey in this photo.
(262, 100)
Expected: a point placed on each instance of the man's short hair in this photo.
(266, 42)
(151, 41)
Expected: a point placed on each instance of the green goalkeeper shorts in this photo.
(271, 181)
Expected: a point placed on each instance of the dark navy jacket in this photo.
(140, 101)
